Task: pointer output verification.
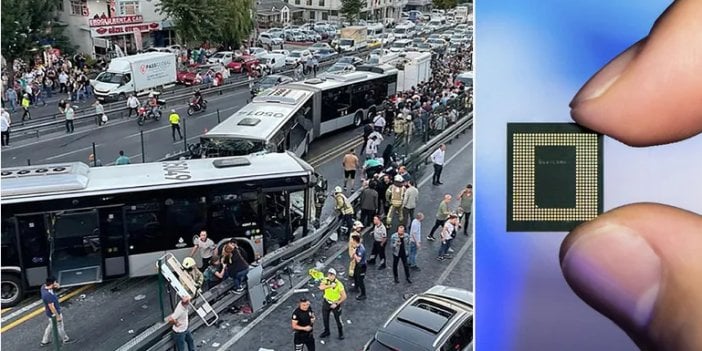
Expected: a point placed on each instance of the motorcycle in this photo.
(193, 107)
(146, 112)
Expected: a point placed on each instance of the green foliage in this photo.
(351, 9)
(444, 4)
(27, 25)
(196, 21)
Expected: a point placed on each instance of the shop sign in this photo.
(125, 29)
(112, 21)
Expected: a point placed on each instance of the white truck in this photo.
(354, 38)
(137, 74)
(413, 68)
(461, 14)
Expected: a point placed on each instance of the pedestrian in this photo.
(179, 320)
(52, 309)
(195, 275)
(400, 246)
(371, 167)
(350, 165)
(441, 215)
(70, 116)
(415, 240)
(357, 228)
(25, 108)
(122, 159)
(99, 112)
(379, 123)
(11, 96)
(214, 273)
(367, 131)
(465, 199)
(394, 196)
(132, 105)
(388, 155)
(448, 232)
(437, 158)
(92, 162)
(382, 188)
(5, 122)
(174, 119)
(334, 296)
(372, 145)
(369, 203)
(315, 65)
(344, 207)
(237, 267)
(380, 237)
(302, 325)
(205, 246)
(359, 273)
(409, 201)
(63, 82)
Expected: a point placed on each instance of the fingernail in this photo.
(607, 76)
(616, 271)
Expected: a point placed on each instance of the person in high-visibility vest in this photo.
(174, 118)
(25, 107)
(394, 196)
(334, 296)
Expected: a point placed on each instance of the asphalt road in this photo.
(108, 315)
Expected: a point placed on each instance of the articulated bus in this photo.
(85, 225)
(290, 117)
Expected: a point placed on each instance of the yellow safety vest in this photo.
(25, 102)
(174, 118)
(333, 294)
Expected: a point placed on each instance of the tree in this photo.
(27, 26)
(444, 4)
(226, 21)
(351, 9)
(235, 24)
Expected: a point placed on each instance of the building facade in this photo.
(329, 10)
(272, 13)
(96, 26)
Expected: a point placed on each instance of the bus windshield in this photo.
(231, 147)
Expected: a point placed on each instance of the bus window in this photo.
(144, 228)
(35, 241)
(231, 214)
(334, 103)
(9, 253)
(277, 231)
(185, 217)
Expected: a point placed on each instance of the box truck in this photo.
(413, 68)
(137, 74)
(353, 38)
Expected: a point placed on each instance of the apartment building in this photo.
(329, 10)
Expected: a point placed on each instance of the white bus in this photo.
(289, 118)
(85, 225)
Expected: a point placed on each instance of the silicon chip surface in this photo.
(554, 176)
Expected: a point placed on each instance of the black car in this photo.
(439, 319)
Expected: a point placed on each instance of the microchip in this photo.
(554, 176)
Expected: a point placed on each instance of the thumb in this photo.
(641, 266)
(651, 93)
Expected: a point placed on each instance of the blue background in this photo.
(531, 59)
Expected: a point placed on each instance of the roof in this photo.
(66, 180)
(265, 7)
(263, 115)
(338, 79)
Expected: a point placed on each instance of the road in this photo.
(107, 315)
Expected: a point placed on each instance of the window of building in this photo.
(325, 16)
(129, 8)
(335, 13)
(79, 8)
(309, 2)
(321, 3)
(59, 6)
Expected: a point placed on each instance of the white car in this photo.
(223, 57)
(269, 39)
(296, 56)
(400, 45)
(312, 35)
(319, 46)
(258, 52)
(386, 38)
(280, 51)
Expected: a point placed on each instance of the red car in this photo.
(193, 74)
(243, 64)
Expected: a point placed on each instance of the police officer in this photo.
(174, 118)
(334, 296)
(302, 321)
(395, 194)
(343, 205)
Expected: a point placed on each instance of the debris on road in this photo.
(139, 297)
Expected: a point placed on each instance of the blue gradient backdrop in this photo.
(532, 57)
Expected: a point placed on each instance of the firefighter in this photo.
(343, 205)
(394, 195)
(191, 269)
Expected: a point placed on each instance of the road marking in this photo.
(5, 310)
(71, 152)
(331, 258)
(41, 310)
(335, 152)
(454, 262)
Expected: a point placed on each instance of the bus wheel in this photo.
(11, 290)
(358, 119)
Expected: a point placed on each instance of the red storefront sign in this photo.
(116, 30)
(112, 21)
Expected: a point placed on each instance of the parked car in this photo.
(352, 60)
(296, 56)
(267, 38)
(437, 43)
(325, 54)
(439, 319)
(400, 45)
(258, 52)
(193, 74)
(281, 51)
(272, 81)
(423, 47)
(312, 36)
(374, 43)
(386, 38)
(465, 78)
(275, 61)
(341, 68)
(223, 57)
(242, 64)
(319, 46)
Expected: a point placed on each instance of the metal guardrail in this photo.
(157, 337)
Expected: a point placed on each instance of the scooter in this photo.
(193, 107)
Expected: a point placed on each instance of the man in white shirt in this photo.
(379, 123)
(179, 320)
(5, 127)
(132, 105)
(447, 234)
(206, 247)
(374, 141)
(437, 158)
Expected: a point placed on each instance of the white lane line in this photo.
(426, 179)
(21, 311)
(453, 264)
(72, 152)
(290, 292)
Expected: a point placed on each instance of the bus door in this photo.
(76, 248)
(113, 240)
(34, 246)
